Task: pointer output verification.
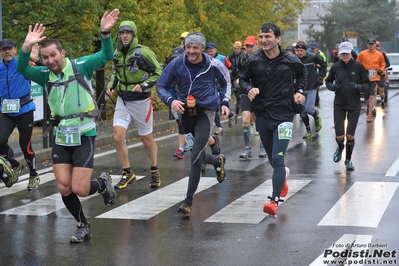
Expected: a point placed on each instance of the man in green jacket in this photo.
(73, 109)
(136, 70)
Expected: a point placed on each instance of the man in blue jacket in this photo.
(195, 73)
(17, 108)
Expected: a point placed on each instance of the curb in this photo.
(44, 154)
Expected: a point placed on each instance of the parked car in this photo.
(393, 70)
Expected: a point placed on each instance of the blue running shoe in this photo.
(337, 155)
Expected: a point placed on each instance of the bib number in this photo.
(10, 106)
(67, 136)
(189, 140)
(285, 130)
(372, 73)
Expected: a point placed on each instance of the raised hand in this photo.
(109, 19)
(34, 54)
(34, 36)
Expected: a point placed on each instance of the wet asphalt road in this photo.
(328, 211)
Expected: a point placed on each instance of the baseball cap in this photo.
(211, 45)
(345, 48)
(290, 48)
(301, 44)
(371, 40)
(184, 34)
(251, 40)
(313, 45)
(7, 43)
(237, 44)
(177, 51)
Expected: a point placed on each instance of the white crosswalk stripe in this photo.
(248, 208)
(48, 204)
(157, 201)
(362, 205)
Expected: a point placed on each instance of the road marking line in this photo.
(362, 205)
(393, 169)
(248, 208)
(157, 201)
(47, 205)
(4, 191)
(342, 244)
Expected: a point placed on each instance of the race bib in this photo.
(10, 106)
(285, 130)
(67, 136)
(189, 140)
(372, 73)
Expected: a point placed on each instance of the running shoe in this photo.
(219, 131)
(369, 120)
(155, 179)
(109, 191)
(8, 176)
(337, 155)
(349, 165)
(284, 191)
(185, 209)
(34, 181)
(215, 147)
(383, 104)
(262, 151)
(179, 154)
(18, 169)
(307, 136)
(253, 130)
(82, 233)
(232, 120)
(270, 208)
(186, 147)
(318, 123)
(247, 153)
(220, 171)
(126, 179)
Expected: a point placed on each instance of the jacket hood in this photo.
(129, 24)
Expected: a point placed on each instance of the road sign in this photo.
(350, 34)
(37, 94)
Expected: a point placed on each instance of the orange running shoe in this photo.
(284, 191)
(270, 208)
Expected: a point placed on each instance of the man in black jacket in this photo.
(237, 59)
(274, 81)
(311, 61)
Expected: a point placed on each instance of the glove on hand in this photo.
(353, 86)
(332, 87)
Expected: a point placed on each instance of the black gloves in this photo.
(352, 85)
(332, 87)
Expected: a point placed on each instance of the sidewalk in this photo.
(104, 136)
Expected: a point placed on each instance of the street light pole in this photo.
(1, 20)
